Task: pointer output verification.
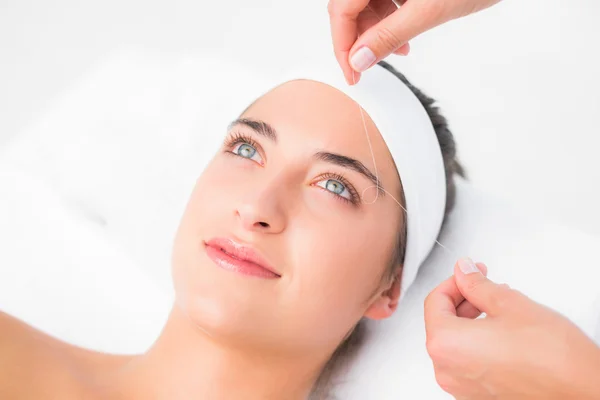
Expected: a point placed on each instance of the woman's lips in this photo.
(229, 255)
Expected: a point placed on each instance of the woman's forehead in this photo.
(318, 114)
(312, 104)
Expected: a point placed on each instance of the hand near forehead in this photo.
(520, 350)
(384, 28)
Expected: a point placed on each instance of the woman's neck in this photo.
(185, 363)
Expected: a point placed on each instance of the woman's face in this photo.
(304, 213)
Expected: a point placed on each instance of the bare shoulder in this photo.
(19, 342)
(34, 363)
(31, 364)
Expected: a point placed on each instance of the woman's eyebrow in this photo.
(264, 129)
(258, 126)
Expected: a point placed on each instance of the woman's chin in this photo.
(226, 317)
(226, 303)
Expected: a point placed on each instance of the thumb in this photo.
(487, 296)
(394, 31)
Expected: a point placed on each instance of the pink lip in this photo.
(230, 255)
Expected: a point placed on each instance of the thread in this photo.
(451, 252)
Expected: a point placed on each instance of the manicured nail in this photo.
(362, 59)
(467, 266)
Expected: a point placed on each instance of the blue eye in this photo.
(245, 150)
(336, 188)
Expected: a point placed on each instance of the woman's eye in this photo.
(247, 151)
(245, 147)
(336, 187)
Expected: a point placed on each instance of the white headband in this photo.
(411, 139)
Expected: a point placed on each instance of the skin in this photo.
(236, 336)
(521, 350)
(385, 29)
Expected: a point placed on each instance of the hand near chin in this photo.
(521, 350)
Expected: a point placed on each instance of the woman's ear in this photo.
(386, 303)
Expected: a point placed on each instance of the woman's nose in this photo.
(263, 211)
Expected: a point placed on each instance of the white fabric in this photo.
(410, 137)
(92, 194)
(60, 272)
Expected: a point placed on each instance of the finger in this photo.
(403, 50)
(441, 303)
(482, 293)
(467, 310)
(482, 267)
(376, 11)
(444, 300)
(380, 10)
(394, 31)
(343, 16)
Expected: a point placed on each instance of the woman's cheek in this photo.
(330, 254)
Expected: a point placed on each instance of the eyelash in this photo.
(238, 137)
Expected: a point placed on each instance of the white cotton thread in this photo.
(446, 248)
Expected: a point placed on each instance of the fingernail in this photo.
(467, 266)
(355, 78)
(362, 59)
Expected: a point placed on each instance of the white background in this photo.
(519, 82)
